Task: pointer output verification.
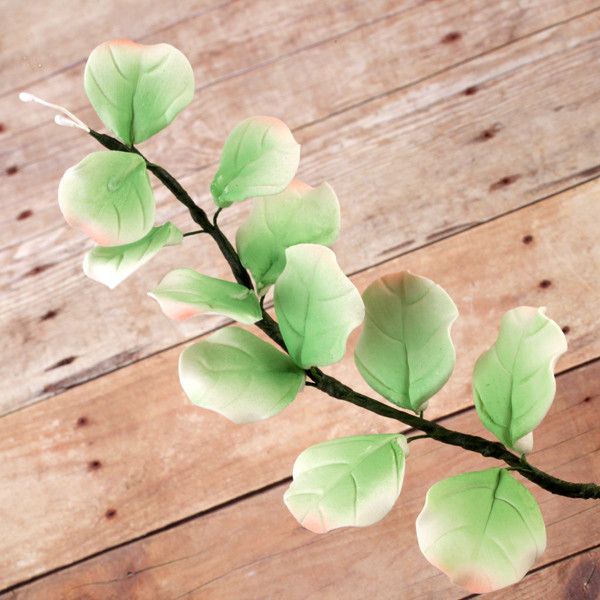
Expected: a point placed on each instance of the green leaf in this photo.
(513, 381)
(111, 265)
(236, 374)
(185, 293)
(108, 196)
(137, 90)
(484, 529)
(405, 351)
(260, 158)
(317, 306)
(351, 481)
(299, 214)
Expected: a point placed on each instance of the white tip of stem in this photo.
(70, 121)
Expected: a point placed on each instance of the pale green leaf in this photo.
(108, 196)
(513, 381)
(185, 293)
(299, 214)
(113, 264)
(351, 481)
(236, 374)
(138, 89)
(260, 158)
(317, 306)
(405, 351)
(484, 529)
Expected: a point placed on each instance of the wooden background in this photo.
(463, 140)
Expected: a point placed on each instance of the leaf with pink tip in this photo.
(352, 481)
(108, 196)
(185, 293)
(483, 529)
(260, 158)
(138, 89)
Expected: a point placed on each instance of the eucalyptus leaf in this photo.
(185, 293)
(513, 381)
(108, 196)
(111, 265)
(405, 351)
(236, 374)
(351, 481)
(299, 214)
(138, 89)
(317, 306)
(260, 158)
(484, 529)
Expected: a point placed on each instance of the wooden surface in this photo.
(462, 137)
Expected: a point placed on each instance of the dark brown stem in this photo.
(339, 390)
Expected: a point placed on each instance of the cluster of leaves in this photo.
(484, 529)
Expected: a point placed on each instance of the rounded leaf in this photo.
(299, 214)
(111, 265)
(236, 374)
(484, 529)
(260, 158)
(405, 351)
(317, 306)
(136, 89)
(351, 481)
(513, 381)
(108, 196)
(185, 293)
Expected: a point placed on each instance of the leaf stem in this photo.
(336, 388)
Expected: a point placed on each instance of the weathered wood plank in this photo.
(298, 85)
(160, 459)
(414, 158)
(575, 578)
(254, 549)
(41, 39)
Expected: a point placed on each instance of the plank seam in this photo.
(246, 496)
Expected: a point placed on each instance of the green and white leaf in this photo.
(484, 529)
(260, 158)
(185, 293)
(236, 374)
(138, 89)
(109, 197)
(113, 264)
(405, 351)
(352, 481)
(317, 306)
(513, 381)
(299, 214)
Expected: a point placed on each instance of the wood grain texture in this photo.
(575, 578)
(254, 549)
(410, 168)
(162, 460)
(44, 39)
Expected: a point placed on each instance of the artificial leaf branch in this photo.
(404, 352)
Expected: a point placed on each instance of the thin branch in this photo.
(339, 390)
